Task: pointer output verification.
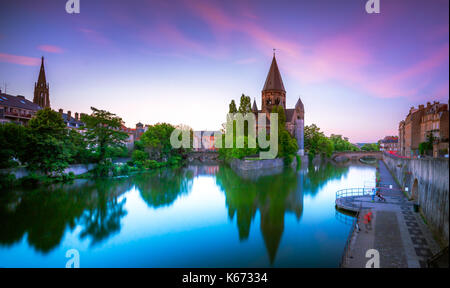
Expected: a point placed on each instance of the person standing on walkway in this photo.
(368, 221)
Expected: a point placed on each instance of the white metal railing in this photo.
(350, 192)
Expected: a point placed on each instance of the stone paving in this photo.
(399, 234)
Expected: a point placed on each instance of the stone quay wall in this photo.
(77, 169)
(426, 182)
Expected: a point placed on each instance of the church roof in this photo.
(17, 102)
(273, 80)
(41, 78)
(299, 104)
(289, 114)
(254, 107)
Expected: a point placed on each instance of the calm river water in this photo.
(198, 216)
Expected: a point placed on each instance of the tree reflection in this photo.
(44, 214)
(272, 195)
(161, 187)
(318, 175)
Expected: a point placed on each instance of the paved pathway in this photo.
(398, 233)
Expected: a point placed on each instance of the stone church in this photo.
(273, 94)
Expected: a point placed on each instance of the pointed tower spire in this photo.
(41, 89)
(273, 92)
(273, 80)
(42, 72)
(254, 107)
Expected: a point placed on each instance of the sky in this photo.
(183, 61)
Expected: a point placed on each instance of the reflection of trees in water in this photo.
(161, 187)
(272, 195)
(45, 213)
(317, 176)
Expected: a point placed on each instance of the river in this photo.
(197, 216)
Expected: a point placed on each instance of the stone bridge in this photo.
(203, 156)
(356, 155)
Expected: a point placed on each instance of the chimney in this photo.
(60, 111)
(421, 107)
(76, 116)
(69, 114)
(428, 104)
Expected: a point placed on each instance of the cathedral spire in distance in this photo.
(41, 89)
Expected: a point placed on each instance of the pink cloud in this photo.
(95, 36)
(50, 49)
(20, 60)
(342, 57)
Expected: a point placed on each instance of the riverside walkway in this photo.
(398, 233)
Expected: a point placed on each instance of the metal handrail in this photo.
(349, 192)
(349, 238)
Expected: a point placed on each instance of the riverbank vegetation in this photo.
(46, 147)
(316, 143)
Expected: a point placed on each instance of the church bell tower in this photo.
(273, 92)
(41, 89)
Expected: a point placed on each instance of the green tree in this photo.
(232, 107)
(78, 147)
(13, 138)
(157, 140)
(316, 142)
(426, 146)
(245, 104)
(47, 148)
(103, 131)
(370, 147)
(341, 144)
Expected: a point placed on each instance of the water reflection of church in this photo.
(273, 196)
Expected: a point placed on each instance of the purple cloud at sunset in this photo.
(183, 61)
(50, 49)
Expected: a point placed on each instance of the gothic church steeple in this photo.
(41, 89)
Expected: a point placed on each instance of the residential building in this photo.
(389, 144)
(419, 124)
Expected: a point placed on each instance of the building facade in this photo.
(16, 109)
(390, 144)
(274, 94)
(419, 124)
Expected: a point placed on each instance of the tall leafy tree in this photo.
(157, 140)
(232, 107)
(103, 131)
(245, 104)
(47, 148)
(12, 143)
(316, 142)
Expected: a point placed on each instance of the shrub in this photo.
(139, 155)
(152, 164)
